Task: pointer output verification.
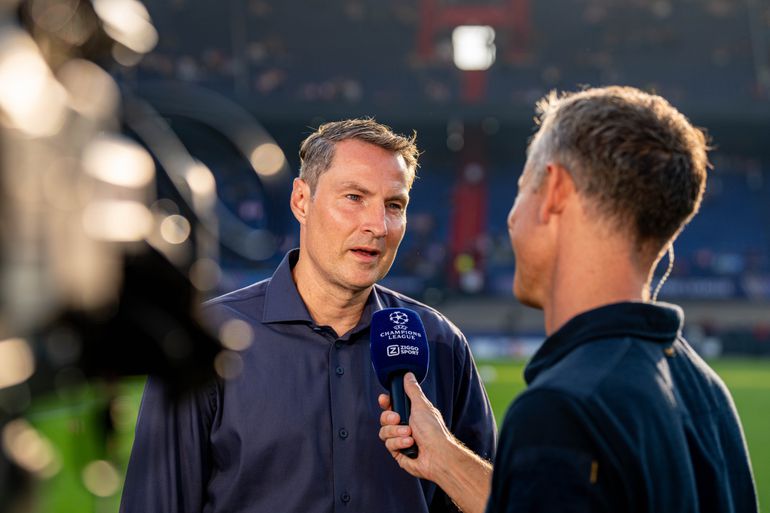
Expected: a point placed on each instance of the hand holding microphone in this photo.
(400, 359)
(426, 428)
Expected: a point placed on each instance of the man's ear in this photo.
(300, 199)
(558, 189)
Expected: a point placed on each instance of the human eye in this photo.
(353, 197)
(396, 207)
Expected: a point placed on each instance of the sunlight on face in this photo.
(357, 216)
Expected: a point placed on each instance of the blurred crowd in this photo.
(363, 52)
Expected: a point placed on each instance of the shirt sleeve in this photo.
(170, 461)
(546, 460)
(473, 421)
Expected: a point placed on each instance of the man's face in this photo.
(529, 240)
(356, 219)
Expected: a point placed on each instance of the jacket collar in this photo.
(655, 322)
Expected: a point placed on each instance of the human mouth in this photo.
(366, 253)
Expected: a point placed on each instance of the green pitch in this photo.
(75, 425)
(748, 381)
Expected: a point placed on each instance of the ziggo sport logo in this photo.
(399, 350)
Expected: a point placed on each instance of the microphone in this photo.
(399, 345)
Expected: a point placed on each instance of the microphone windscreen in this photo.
(398, 344)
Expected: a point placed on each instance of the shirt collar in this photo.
(284, 304)
(373, 304)
(282, 300)
(655, 322)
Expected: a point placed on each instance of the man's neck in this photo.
(589, 279)
(329, 305)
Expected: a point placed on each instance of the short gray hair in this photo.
(317, 150)
(635, 157)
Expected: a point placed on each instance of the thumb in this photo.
(414, 391)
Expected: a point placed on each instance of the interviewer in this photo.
(620, 413)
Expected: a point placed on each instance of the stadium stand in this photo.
(293, 72)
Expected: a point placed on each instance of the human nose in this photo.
(376, 221)
(511, 216)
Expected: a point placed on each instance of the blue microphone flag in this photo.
(398, 344)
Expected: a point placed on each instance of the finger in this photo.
(389, 418)
(396, 444)
(414, 391)
(384, 401)
(389, 432)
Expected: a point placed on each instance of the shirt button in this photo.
(338, 344)
(345, 497)
(340, 371)
(343, 433)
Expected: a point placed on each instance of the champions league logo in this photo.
(399, 320)
(400, 332)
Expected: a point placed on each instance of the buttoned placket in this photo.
(339, 360)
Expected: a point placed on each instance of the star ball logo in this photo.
(399, 320)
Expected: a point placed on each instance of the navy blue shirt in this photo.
(297, 429)
(622, 415)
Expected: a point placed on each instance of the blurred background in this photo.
(147, 154)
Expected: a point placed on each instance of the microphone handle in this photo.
(401, 405)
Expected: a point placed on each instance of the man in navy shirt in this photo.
(620, 414)
(293, 428)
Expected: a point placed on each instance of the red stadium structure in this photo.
(510, 18)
